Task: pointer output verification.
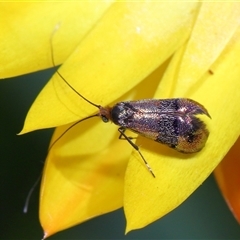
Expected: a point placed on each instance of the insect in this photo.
(172, 122)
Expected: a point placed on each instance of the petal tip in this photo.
(23, 131)
(45, 235)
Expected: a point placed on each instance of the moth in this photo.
(172, 121)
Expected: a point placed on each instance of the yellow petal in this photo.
(112, 59)
(26, 29)
(227, 175)
(177, 176)
(83, 176)
(91, 155)
(210, 36)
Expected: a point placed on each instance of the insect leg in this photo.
(121, 137)
(122, 134)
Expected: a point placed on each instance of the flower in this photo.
(124, 50)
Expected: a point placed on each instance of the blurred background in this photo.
(204, 215)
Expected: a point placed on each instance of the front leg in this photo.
(124, 136)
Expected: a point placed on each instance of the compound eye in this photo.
(105, 119)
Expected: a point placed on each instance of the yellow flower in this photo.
(126, 51)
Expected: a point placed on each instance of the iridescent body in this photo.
(167, 121)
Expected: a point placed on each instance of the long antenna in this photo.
(59, 74)
(101, 110)
(62, 134)
(25, 208)
(80, 95)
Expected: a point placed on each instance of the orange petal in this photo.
(227, 175)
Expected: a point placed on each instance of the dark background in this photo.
(203, 216)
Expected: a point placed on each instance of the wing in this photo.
(169, 121)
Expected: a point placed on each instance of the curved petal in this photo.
(25, 32)
(200, 52)
(84, 172)
(227, 175)
(210, 36)
(112, 59)
(83, 176)
(177, 176)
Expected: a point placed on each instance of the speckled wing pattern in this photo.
(168, 121)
